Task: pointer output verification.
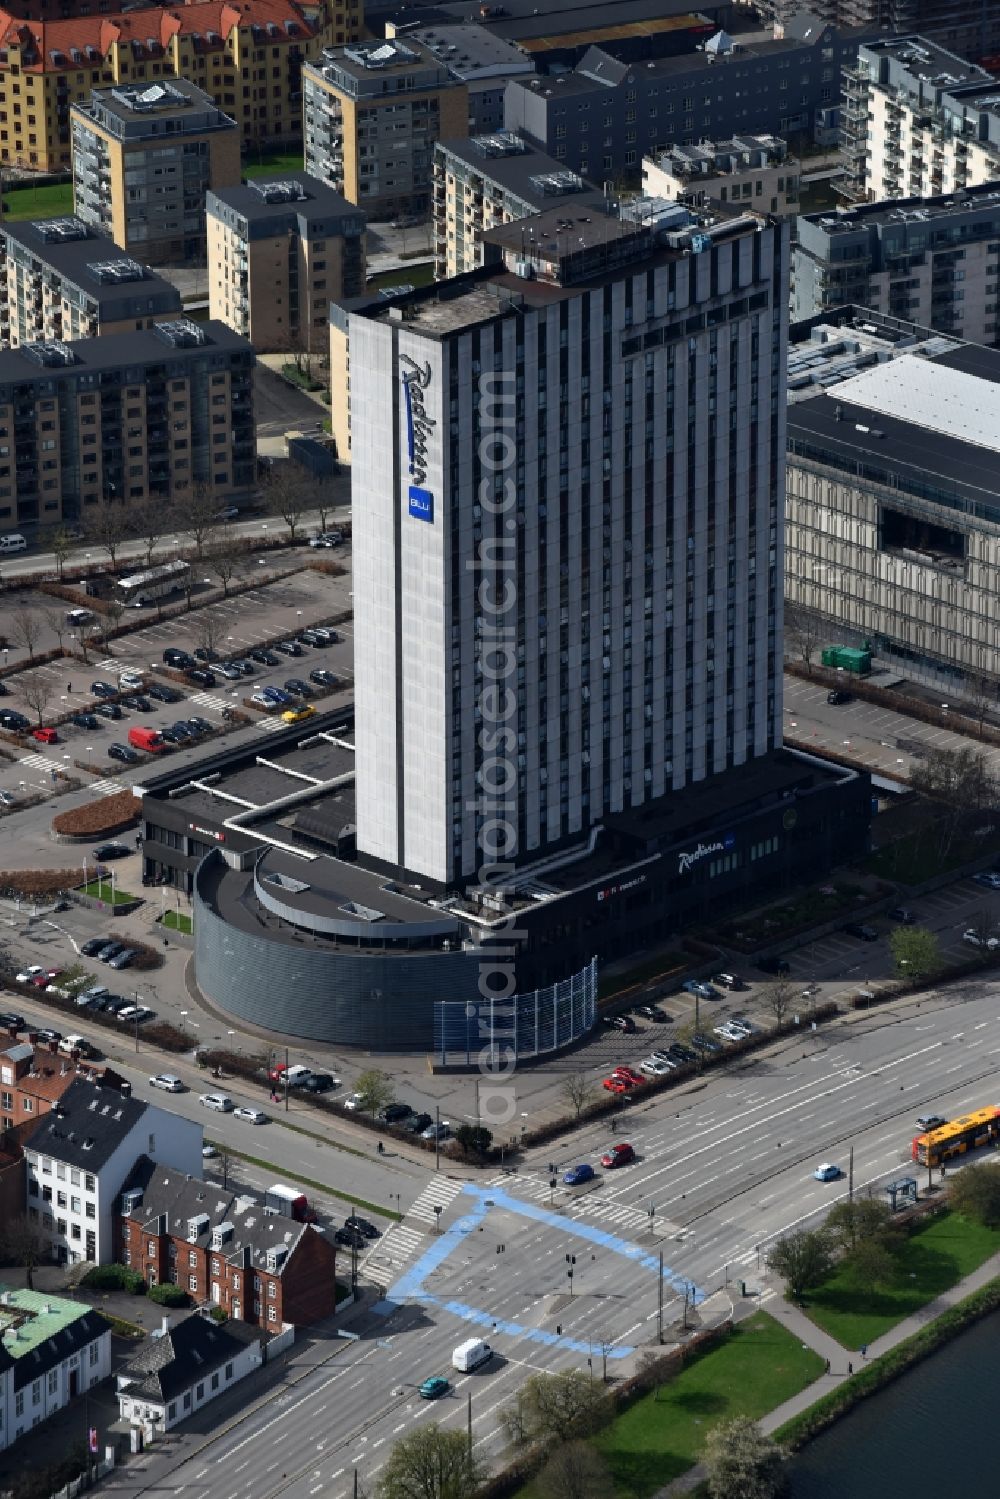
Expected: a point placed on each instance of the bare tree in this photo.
(778, 998)
(24, 1245)
(576, 1470)
(26, 630)
(197, 515)
(60, 544)
(804, 633)
(107, 525)
(222, 562)
(55, 619)
(210, 630)
(290, 494)
(578, 1090)
(36, 692)
(959, 782)
(150, 523)
(109, 619)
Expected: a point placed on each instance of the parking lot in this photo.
(232, 627)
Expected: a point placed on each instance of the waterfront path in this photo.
(802, 1327)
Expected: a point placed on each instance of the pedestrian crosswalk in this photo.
(617, 1215)
(105, 787)
(271, 725)
(38, 762)
(391, 1253)
(210, 700)
(438, 1193)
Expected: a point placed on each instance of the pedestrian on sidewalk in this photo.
(828, 1366)
(864, 1350)
(69, 686)
(850, 1368)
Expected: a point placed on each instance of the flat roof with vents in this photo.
(929, 394)
(288, 190)
(59, 231)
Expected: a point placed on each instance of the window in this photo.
(192, 1282)
(95, 1354)
(53, 1381)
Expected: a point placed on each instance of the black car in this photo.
(110, 950)
(112, 851)
(202, 676)
(652, 1012)
(109, 710)
(902, 914)
(3, 690)
(394, 1112)
(417, 1123)
(48, 1035)
(361, 1226)
(289, 648)
(264, 657)
(858, 929)
(205, 653)
(12, 1022)
(298, 687)
(169, 737)
(138, 702)
(322, 677)
(163, 694)
(177, 658)
(837, 699)
(123, 752)
(115, 1003)
(9, 719)
(314, 638)
(92, 946)
(319, 1082)
(202, 725)
(350, 1238)
(301, 640)
(103, 689)
(773, 965)
(181, 729)
(85, 720)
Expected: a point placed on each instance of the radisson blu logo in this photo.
(419, 426)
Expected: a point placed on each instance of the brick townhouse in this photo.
(33, 1078)
(222, 1248)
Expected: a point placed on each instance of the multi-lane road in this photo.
(724, 1167)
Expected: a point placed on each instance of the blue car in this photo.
(577, 1175)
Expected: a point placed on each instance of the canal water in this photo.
(908, 1434)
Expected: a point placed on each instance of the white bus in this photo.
(144, 588)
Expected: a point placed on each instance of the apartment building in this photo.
(279, 251)
(892, 511)
(223, 1249)
(143, 159)
(372, 112)
(34, 1078)
(484, 181)
(123, 417)
(965, 26)
(918, 121)
(477, 57)
(60, 279)
(932, 261)
(52, 1350)
(247, 58)
(754, 171)
(80, 1154)
(605, 116)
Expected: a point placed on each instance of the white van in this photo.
(12, 543)
(468, 1356)
(69, 1044)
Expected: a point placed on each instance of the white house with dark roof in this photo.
(181, 1368)
(51, 1350)
(81, 1153)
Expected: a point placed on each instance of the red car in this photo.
(615, 1085)
(626, 1075)
(45, 736)
(42, 980)
(618, 1155)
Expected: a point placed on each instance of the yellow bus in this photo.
(982, 1127)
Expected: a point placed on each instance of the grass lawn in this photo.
(50, 200)
(275, 161)
(177, 921)
(756, 1368)
(916, 858)
(410, 275)
(932, 1259)
(650, 968)
(101, 890)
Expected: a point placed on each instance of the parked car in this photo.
(322, 677)
(315, 637)
(138, 703)
(228, 512)
(205, 653)
(85, 721)
(168, 1082)
(577, 1175)
(988, 879)
(327, 539)
(112, 851)
(169, 737)
(353, 1102)
(618, 1155)
(350, 1238)
(45, 735)
(230, 671)
(251, 1115)
(699, 987)
(653, 1012)
(436, 1131)
(27, 974)
(181, 729)
(180, 660)
(92, 946)
(627, 1076)
(162, 693)
(244, 667)
(265, 657)
(362, 1226)
(202, 676)
(298, 687)
(46, 1036)
(123, 752)
(902, 914)
(109, 710)
(46, 978)
(278, 695)
(656, 1066)
(837, 698)
(14, 721)
(394, 1112)
(299, 714)
(615, 1085)
(976, 939)
(11, 1021)
(778, 966)
(123, 959)
(103, 689)
(110, 950)
(861, 930)
(220, 1102)
(827, 1172)
(320, 1082)
(702, 1043)
(289, 648)
(203, 725)
(417, 1123)
(729, 981)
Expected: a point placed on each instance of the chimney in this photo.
(53, 1047)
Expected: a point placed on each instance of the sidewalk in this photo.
(802, 1327)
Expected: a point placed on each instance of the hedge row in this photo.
(99, 819)
(38, 881)
(877, 1373)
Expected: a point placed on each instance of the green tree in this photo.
(431, 1464)
(916, 953)
(855, 1221)
(556, 1407)
(576, 1470)
(871, 1264)
(375, 1089)
(742, 1462)
(975, 1193)
(803, 1260)
(474, 1139)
